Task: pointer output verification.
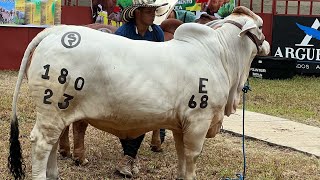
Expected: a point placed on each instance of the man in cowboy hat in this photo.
(138, 16)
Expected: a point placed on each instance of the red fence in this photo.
(284, 7)
(14, 40)
(308, 5)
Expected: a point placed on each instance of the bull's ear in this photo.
(249, 25)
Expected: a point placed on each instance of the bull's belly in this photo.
(122, 134)
(132, 128)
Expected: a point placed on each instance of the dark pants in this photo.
(162, 135)
(131, 146)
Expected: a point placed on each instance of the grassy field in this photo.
(296, 99)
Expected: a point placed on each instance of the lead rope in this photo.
(242, 176)
(245, 89)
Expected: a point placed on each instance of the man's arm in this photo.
(120, 31)
(159, 34)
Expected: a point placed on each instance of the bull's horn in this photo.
(244, 10)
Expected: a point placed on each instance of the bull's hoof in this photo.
(65, 155)
(79, 162)
(156, 149)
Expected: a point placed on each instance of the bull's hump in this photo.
(189, 31)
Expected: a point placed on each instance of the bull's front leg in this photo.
(79, 130)
(193, 139)
(178, 141)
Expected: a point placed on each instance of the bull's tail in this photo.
(15, 159)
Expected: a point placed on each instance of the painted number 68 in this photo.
(203, 103)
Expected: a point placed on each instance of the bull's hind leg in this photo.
(79, 130)
(193, 139)
(52, 172)
(41, 150)
(178, 141)
(44, 138)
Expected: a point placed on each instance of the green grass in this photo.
(296, 99)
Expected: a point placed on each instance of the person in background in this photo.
(204, 18)
(138, 19)
(182, 15)
(186, 16)
(212, 7)
(105, 12)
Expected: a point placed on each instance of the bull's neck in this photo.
(237, 52)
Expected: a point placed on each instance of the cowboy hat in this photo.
(131, 5)
(164, 11)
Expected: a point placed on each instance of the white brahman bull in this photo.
(129, 87)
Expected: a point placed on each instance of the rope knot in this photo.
(239, 177)
(246, 87)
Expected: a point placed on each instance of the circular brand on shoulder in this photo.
(71, 39)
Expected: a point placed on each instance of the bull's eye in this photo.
(260, 27)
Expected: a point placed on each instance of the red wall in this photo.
(267, 26)
(13, 44)
(14, 40)
(76, 15)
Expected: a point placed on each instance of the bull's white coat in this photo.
(131, 87)
(128, 83)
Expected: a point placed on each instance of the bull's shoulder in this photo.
(189, 31)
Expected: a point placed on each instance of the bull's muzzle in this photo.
(264, 49)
